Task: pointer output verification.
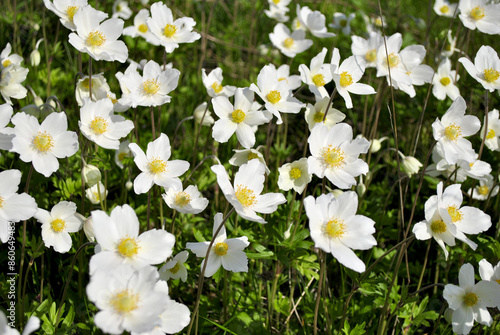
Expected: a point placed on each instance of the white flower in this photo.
(122, 152)
(153, 87)
(294, 175)
(99, 40)
(169, 32)
(101, 126)
(445, 8)
(335, 154)
(32, 325)
(409, 164)
(91, 174)
(469, 300)
(316, 113)
(347, 75)
(126, 299)
(140, 28)
(277, 12)
(342, 22)
(490, 273)
(336, 228)
(475, 169)
(203, 115)
(11, 78)
(492, 140)
(486, 67)
(449, 47)
(451, 130)
(290, 44)
(120, 242)
(275, 93)
(485, 189)
(477, 14)
(412, 57)
(155, 166)
(313, 21)
(66, 11)
(175, 269)
(6, 134)
(241, 157)
(238, 118)
(443, 83)
(58, 223)
(213, 84)
(7, 59)
(245, 195)
(283, 73)
(185, 201)
(121, 10)
(100, 88)
(317, 76)
(43, 144)
(367, 48)
(96, 193)
(392, 59)
(226, 252)
(14, 207)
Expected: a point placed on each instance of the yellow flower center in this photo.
(335, 228)
(392, 60)
(175, 269)
(295, 173)
(58, 225)
(343, 23)
(71, 11)
(452, 132)
(447, 47)
(238, 116)
(252, 155)
(455, 214)
(490, 135)
(43, 142)
(274, 97)
(122, 155)
(217, 87)
(282, 78)
(319, 80)
(483, 190)
(498, 281)
(288, 42)
(113, 100)
(333, 157)
(169, 30)
(371, 56)
(276, 2)
(477, 13)
(378, 21)
(6, 63)
(143, 28)
(445, 81)
(491, 75)
(128, 247)
(182, 199)
(86, 83)
(95, 39)
(157, 166)
(318, 117)
(221, 248)
(150, 87)
(99, 126)
(245, 196)
(124, 302)
(1, 202)
(345, 79)
(470, 299)
(438, 227)
(444, 9)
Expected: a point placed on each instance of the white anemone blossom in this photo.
(367, 48)
(290, 44)
(481, 15)
(294, 175)
(213, 84)
(189, 200)
(443, 83)
(315, 114)
(312, 21)
(486, 67)
(66, 11)
(317, 75)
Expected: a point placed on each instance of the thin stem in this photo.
(318, 297)
(153, 122)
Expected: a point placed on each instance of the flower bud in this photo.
(91, 175)
(35, 57)
(129, 185)
(208, 120)
(38, 101)
(411, 165)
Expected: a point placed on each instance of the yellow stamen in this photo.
(221, 248)
(274, 97)
(150, 87)
(319, 80)
(477, 13)
(96, 39)
(452, 132)
(276, 2)
(345, 79)
(371, 56)
(470, 299)
(491, 75)
(6, 63)
(143, 28)
(252, 155)
(175, 269)
(128, 247)
(295, 173)
(438, 226)
(122, 155)
(113, 100)
(169, 30)
(343, 23)
(1, 202)
(444, 9)
(282, 78)
(43, 142)
(245, 196)
(157, 165)
(58, 225)
(455, 214)
(288, 42)
(99, 126)
(238, 116)
(335, 228)
(182, 199)
(217, 87)
(124, 302)
(483, 190)
(318, 117)
(491, 134)
(393, 60)
(71, 11)
(333, 157)
(445, 81)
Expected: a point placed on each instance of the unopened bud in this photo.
(91, 175)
